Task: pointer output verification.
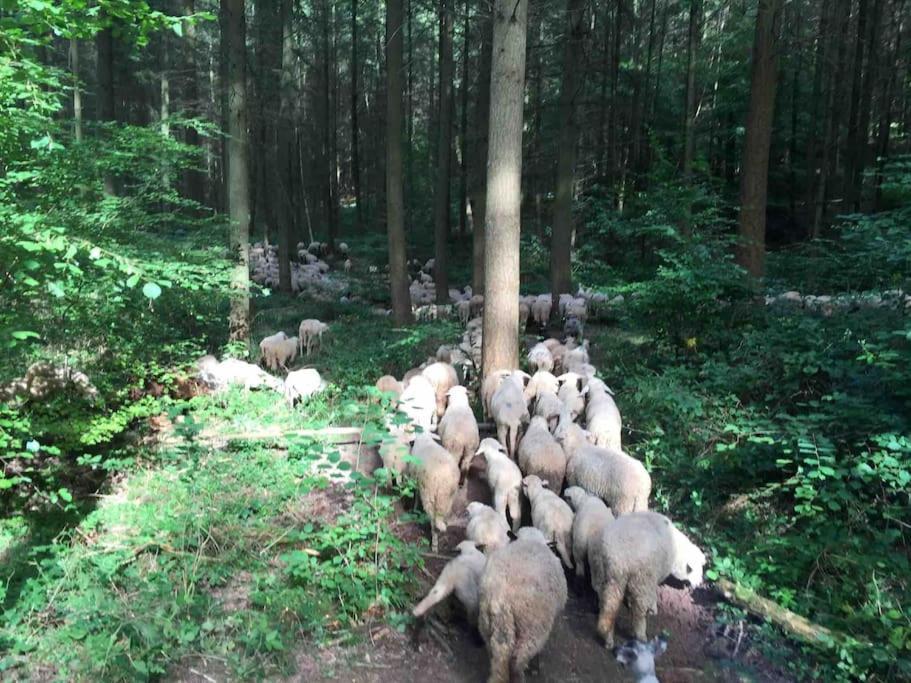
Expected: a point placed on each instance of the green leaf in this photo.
(24, 334)
(56, 289)
(65, 495)
(151, 290)
(132, 280)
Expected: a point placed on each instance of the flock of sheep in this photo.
(308, 273)
(510, 583)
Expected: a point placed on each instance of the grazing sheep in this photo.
(571, 393)
(540, 309)
(540, 358)
(602, 418)
(443, 377)
(301, 384)
(504, 479)
(438, 481)
(551, 515)
(489, 386)
(592, 515)
(279, 352)
(549, 407)
(621, 481)
(390, 385)
(486, 527)
(418, 402)
(219, 376)
(540, 454)
(640, 657)
(509, 410)
(311, 330)
(522, 592)
(458, 430)
(462, 576)
(635, 554)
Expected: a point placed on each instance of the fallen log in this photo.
(793, 624)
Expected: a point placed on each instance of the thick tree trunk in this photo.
(500, 348)
(77, 90)
(395, 200)
(238, 168)
(444, 158)
(478, 194)
(755, 168)
(104, 43)
(283, 129)
(570, 93)
(355, 152)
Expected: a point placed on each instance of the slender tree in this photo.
(77, 90)
(478, 192)
(570, 92)
(104, 45)
(355, 132)
(238, 167)
(444, 157)
(463, 124)
(755, 174)
(395, 200)
(194, 180)
(694, 34)
(500, 348)
(283, 132)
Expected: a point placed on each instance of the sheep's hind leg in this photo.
(611, 597)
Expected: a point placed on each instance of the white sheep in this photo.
(522, 592)
(621, 481)
(310, 331)
(541, 308)
(548, 406)
(540, 358)
(486, 527)
(541, 381)
(602, 417)
(278, 352)
(489, 387)
(438, 482)
(551, 515)
(576, 358)
(571, 393)
(640, 657)
(443, 377)
(458, 429)
(231, 371)
(462, 576)
(558, 351)
(540, 454)
(591, 516)
(509, 410)
(418, 402)
(389, 385)
(301, 384)
(636, 553)
(504, 479)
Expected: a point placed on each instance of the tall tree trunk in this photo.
(694, 34)
(500, 346)
(885, 108)
(603, 106)
(238, 168)
(104, 43)
(463, 126)
(395, 200)
(613, 118)
(820, 68)
(861, 147)
(328, 132)
(355, 153)
(478, 194)
(194, 180)
(281, 174)
(849, 187)
(444, 158)
(755, 168)
(570, 93)
(77, 90)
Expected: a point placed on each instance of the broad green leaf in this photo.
(151, 290)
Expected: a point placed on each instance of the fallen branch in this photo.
(795, 625)
(338, 435)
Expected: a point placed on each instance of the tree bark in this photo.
(822, 62)
(355, 152)
(478, 195)
(194, 180)
(755, 168)
(395, 200)
(238, 168)
(104, 43)
(77, 90)
(283, 135)
(694, 34)
(463, 126)
(570, 92)
(328, 132)
(500, 347)
(444, 158)
(849, 189)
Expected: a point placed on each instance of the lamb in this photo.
(541, 455)
(489, 387)
(551, 515)
(591, 516)
(621, 481)
(505, 480)
(640, 658)
(458, 430)
(389, 385)
(540, 309)
(509, 410)
(438, 481)
(540, 358)
(486, 527)
(311, 330)
(602, 418)
(418, 402)
(277, 351)
(549, 407)
(522, 591)
(634, 555)
(461, 575)
(443, 377)
(571, 393)
(301, 384)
